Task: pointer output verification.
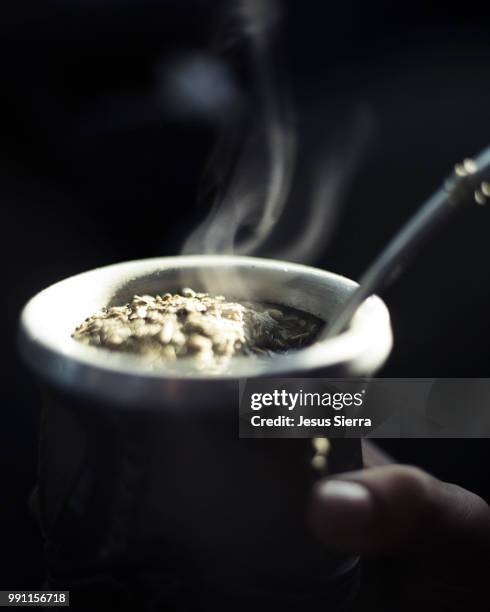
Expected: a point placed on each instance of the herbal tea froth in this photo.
(206, 330)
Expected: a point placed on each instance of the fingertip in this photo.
(389, 509)
(340, 512)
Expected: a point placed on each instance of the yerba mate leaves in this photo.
(205, 329)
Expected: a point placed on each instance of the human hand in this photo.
(435, 535)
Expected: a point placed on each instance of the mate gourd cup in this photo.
(143, 480)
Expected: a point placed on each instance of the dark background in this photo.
(98, 165)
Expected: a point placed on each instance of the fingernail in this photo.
(345, 491)
(341, 508)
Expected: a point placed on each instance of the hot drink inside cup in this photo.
(205, 330)
(117, 321)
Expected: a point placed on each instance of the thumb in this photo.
(394, 509)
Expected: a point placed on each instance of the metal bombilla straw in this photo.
(469, 184)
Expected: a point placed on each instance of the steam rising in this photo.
(258, 188)
(321, 192)
(260, 195)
